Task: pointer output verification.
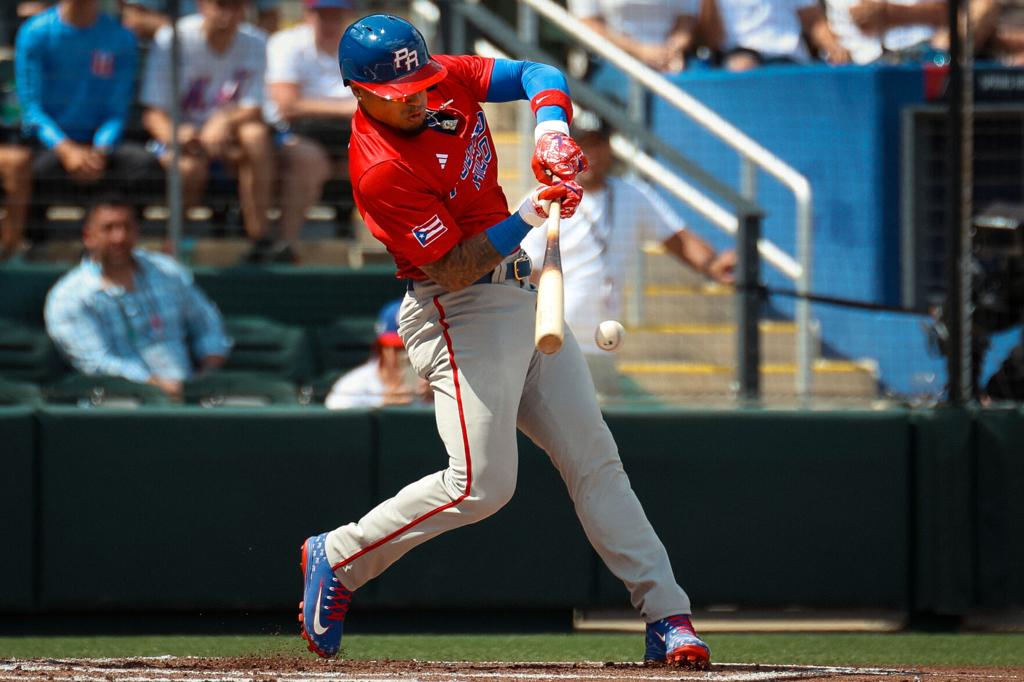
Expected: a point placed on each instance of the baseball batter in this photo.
(424, 173)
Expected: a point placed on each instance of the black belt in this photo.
(519, 269)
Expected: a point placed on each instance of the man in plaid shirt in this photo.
(133, 313)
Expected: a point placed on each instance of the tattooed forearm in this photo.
(464, 264)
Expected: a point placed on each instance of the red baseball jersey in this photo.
(422, 194)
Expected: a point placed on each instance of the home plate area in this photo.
(291, 669)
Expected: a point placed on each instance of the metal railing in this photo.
(635, 136)
(751, 154)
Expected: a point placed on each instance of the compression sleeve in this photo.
(515, 80)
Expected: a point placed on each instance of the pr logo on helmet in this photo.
(406, 59)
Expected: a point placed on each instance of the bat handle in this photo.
(549, 331)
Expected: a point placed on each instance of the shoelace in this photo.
(681, 622)
(340, 601)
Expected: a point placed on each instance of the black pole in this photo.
(748, 267)
(954, 252)
(176, 217)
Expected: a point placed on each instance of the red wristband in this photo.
(552, 98)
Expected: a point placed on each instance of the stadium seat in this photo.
(266, 347)
(344, 344)
(18, 393)
(240, 389)
(317, 390)
(27, 354)
(104, 391)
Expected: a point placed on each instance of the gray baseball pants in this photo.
(475, 347)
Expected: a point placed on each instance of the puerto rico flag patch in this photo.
(428, 232)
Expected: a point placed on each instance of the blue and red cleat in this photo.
(673, 640)
(325, 600)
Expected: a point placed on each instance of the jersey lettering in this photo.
(102, 63)
(194, 99)
(478, 153)
(230, 90)
(406, 59)
(429, 231)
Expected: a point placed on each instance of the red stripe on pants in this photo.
(465, 445)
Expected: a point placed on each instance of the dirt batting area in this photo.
(294, 669)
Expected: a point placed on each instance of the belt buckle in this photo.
(524, 261)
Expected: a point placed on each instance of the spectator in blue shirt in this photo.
(133, 313)
(75, 70)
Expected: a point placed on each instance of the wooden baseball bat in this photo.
(549, 331)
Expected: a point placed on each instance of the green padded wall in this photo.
(774, 508)
(530, 554)
(17, 507)
(189, 508)
(943, 576)
(920, 511)
(30, 282)
(1000, 508)
(308, 296)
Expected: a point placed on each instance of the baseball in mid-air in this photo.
(608, 335)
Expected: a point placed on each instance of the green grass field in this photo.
(958, 650)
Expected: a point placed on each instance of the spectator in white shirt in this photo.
(904, 30)
(223, 69)
(869, 29)
(387, 378)
(600, 246)
(657, 32)
(759, 32)
(310, 107)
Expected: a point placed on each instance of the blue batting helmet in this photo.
(388, 56)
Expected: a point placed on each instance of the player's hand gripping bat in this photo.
(550, 326)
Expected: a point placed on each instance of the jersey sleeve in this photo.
(471, 71)
(412, 221)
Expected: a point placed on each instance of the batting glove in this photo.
(557, 157)
(568, 193)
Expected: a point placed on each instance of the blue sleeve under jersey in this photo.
(515, 80)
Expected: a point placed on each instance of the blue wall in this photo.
(839, 127)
